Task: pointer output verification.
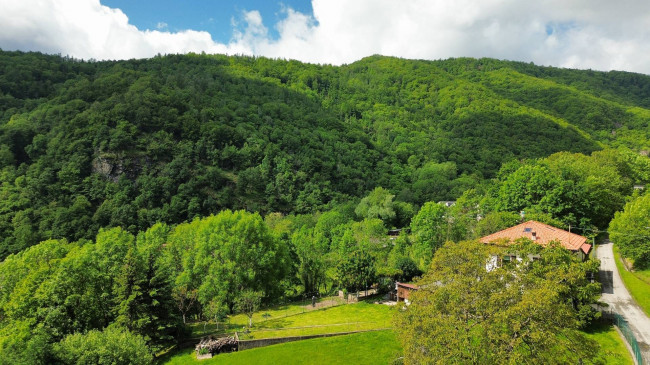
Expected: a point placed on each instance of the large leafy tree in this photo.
(311, 252)
(378, 204)
(229, 253)
(464, 313)
(356, 271)
(430, 229)
(630, 230)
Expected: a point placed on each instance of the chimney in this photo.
(534, 236)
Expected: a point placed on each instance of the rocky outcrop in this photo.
(113, 167)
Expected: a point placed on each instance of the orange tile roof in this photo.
(543, 235)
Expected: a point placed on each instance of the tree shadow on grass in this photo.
(598, 327)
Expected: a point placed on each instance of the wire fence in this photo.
(274, 311)
(293, 307)
(625, 329)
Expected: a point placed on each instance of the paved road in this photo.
(619, 299)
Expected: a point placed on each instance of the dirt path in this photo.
(619, 299)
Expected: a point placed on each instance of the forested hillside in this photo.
(139, 196)
(85, 145)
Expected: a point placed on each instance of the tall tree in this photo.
(356, 271)
(430, 229)
(464, 313)
(248, 302)
(144, 300)
(231, 252)
(630, 230)
(311, 252)
(378, 204)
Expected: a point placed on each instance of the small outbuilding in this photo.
(404, 291)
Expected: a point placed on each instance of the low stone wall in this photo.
(251, 344)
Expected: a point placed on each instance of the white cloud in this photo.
(161, 25)
(598, 34)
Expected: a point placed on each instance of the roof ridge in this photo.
(567, 239)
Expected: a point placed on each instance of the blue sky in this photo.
(214, 17)
(595, 34)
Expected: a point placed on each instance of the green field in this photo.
(637, 283)
(611, 343)
(379, 347)
(236, 322)
(344, 318)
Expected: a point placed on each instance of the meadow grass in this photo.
(345, 318)
(613, 349)
(378, 347)
(635, 282)
(236, 322)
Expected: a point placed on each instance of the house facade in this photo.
(540, 233)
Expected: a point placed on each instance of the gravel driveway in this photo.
(619, 299)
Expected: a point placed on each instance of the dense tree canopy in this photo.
(85, 145)
(465, 313)
(221, 256)
(111, 346)
(630, 230)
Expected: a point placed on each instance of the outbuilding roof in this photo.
(410, 286)
(542, 234)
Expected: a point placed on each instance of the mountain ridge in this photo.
(85, 145)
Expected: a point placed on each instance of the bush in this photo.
(113, 345)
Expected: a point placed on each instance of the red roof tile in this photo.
(543, 234)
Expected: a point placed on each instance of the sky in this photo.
(586, 34)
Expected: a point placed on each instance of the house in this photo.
(447, 203)
(404, 291)
(541, 234)
(639, 187)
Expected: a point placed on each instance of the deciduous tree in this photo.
(630, 230)
(464, 313)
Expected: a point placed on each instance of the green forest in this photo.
(140, 195)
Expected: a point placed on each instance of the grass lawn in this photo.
(344, 318)
(643, 275)
(379, 347)
(635, 282)
(236, 322)
(275, 323)
(611, 343)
